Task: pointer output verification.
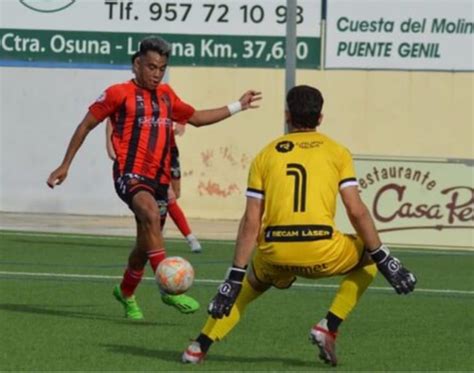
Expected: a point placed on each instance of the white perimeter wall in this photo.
(40, 109)
(381, 113)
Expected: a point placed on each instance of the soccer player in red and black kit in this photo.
(142, 111)
(170, 206)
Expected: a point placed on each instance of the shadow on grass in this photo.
(175, 356)
(73, 311)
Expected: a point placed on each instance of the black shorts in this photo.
(128, 185)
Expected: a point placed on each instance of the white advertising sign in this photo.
(105, 33)
(402, 35)
(225, 17)
(418, 201)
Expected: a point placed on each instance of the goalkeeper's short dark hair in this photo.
(304, 104)
(155, 44)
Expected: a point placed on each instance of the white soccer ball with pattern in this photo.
(174, 275)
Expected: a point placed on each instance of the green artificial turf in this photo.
(57, 313)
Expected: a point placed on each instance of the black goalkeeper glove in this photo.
(227, 293)
(402, 280)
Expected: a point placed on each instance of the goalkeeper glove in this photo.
(227, 293)
(402, 280)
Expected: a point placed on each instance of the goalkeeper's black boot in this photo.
(326, 342)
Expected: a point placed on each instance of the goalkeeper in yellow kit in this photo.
(291, 202)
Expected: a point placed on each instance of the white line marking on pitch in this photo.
(209, 281)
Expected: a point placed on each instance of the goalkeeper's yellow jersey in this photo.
(299, 176)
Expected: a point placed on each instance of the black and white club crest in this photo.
(284, 146)
(225, 288)
(393, 265)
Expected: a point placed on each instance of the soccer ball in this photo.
(174, 275)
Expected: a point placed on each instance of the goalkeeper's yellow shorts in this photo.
(282, 266)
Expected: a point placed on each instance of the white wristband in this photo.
(234, 107)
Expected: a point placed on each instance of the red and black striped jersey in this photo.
(142, 123)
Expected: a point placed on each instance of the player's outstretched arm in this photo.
(401, 279)
(227, 293)
(206, 117)
(59, 174)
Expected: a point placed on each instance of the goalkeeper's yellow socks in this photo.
(352, 286)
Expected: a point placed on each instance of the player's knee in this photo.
(148, 218)
(143, 202)
(148, 215)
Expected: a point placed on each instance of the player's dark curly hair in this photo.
(155, 44)
(304, 104)
(134, 57)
